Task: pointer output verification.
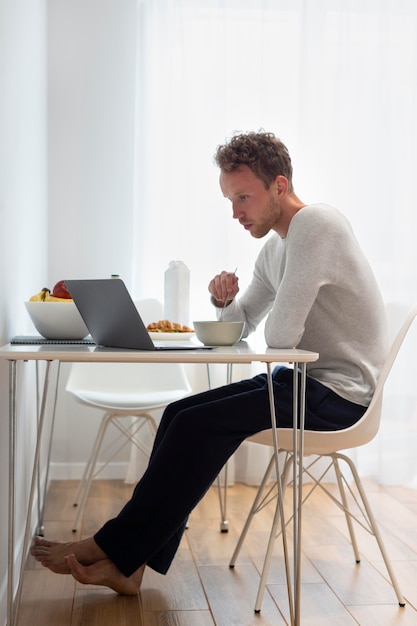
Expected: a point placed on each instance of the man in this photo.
(317, 291)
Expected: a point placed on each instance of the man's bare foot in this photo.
(52, 554)
(105, 573)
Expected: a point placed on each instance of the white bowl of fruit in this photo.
(55, 315)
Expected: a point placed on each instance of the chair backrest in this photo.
(150, 310)
(325, 442)
(126, 377)
(129, 377)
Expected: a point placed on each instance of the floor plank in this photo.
(104, 608)
(231, 595)
(180, 589)
(46, 598)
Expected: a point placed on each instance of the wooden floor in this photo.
(201, 590)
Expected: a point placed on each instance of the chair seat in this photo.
(129, 401)
(322, 442)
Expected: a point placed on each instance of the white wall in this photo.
(23, 227)
(91, 91)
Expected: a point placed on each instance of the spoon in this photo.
(225, 302)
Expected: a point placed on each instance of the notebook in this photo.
(112, 318)
(38, 340)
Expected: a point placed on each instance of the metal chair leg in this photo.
(222, 492)
(373, 526)
(252, 512)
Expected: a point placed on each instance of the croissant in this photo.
(166, 326)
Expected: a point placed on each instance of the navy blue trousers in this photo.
(196, 437)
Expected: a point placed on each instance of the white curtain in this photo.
(336, 80)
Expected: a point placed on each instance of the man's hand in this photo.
(224, 288)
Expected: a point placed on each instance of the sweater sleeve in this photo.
(258, 298)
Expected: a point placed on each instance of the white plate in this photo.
(171, 336)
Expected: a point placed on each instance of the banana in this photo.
(45, 296)
(41, 296)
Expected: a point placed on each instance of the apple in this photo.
(60, 291)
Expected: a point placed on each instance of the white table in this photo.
(244, 352)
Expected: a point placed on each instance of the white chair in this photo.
(327, 445)
(128, 394)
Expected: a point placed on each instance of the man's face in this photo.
(257, 209)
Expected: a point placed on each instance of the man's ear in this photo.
(281, 185)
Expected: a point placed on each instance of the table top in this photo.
(242, 352)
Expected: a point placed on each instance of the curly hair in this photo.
(262, 152)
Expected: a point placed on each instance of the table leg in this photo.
(298, 455)
(280, 496)
(12, 468)
(299, 390)
(42, 492)
(38, 412)
(32, 490)
(224, 523)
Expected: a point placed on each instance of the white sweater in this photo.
(319, 293)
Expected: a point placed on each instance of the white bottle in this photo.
(177, 293)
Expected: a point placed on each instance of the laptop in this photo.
(112, 318)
